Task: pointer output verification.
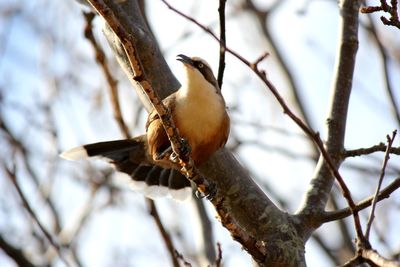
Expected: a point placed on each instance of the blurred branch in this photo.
(262, 17)
(325, 248)
(346, 247)
(16, 254)
(112, 85)
(390, 141)
(17, 144)
(68, 235)
(219, 256)
(222, 45)
(111, 82)
(12, 177)
(385, 62)
(182, 259)
(385, 7)
(164, 234)
(282, 150)
(207, 230)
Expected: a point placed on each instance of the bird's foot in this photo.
(166, 154)
(208, 190)
(185, 149)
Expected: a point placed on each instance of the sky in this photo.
(30, 53)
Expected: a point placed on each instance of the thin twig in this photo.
(206, 229)
(378, 188)
(343, 213)
(222, 45)
(165, 235)
(385, 7)
(369, 150)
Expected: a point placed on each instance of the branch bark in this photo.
(321, 185)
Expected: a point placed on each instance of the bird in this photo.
(198, 110)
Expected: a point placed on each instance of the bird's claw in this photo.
(210, 191)
(185, 148)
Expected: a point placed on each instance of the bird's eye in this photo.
(200, 65)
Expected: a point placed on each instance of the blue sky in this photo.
(45, 59)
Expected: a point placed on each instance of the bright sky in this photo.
(309, 45)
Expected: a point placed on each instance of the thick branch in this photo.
(321, 184)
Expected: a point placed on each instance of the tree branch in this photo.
(385, 7)
(343, 213)
(372, 257)
(369, 150)
(111, 82)
(222, 45)
(12, 177)
(321, 185)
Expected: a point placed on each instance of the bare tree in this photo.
(272, 234)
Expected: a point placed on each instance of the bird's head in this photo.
(198, 70)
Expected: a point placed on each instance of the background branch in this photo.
(222, 45)
(12, 177)
(112, 85)
(371, 217)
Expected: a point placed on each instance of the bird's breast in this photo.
(199, 118)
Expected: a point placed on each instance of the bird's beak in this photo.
(185, 60)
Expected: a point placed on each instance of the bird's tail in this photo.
(130, 157)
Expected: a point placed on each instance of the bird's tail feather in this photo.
(130, 158)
